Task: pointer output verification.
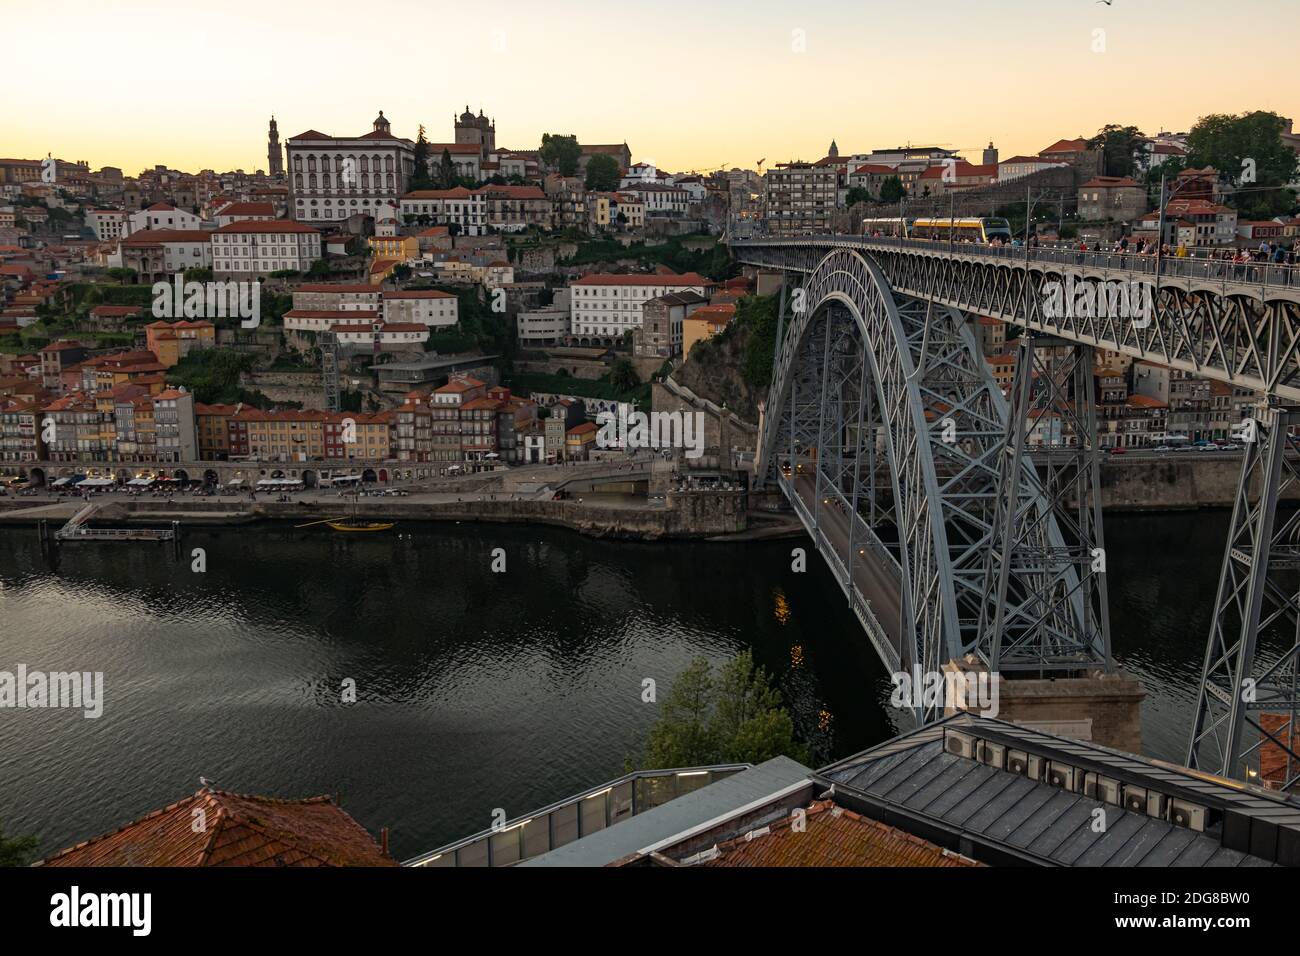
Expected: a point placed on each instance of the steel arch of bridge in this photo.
(859, 368)
(1247, 722)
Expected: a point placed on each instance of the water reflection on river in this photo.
(475, 690)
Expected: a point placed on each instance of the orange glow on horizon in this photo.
(738, 82)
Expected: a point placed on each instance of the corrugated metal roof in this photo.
(915, 774)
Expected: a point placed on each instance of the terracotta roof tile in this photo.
(833, 836)
(240, 830)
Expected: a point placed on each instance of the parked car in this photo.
(1163, 448)
(1118, 451)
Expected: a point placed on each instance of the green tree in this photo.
(602, 173)
(858, 194)
(120, 275)
(1247, 150)
(17, 851)
(561, 152)
(212, 375)
(1167, 170)
(1119, 146)
(757, 315)
(682, 737)
(320, 269)
(446, 171)
(733, 717)
(198, 274)
(891, 190)
(421, 179)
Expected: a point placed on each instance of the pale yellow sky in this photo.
(688, 85)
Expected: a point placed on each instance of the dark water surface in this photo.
(475, 690)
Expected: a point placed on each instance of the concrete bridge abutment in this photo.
(1103, 707)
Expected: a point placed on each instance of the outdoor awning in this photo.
(234, 481)
(95, 483)
(140, 482)
(59, 482)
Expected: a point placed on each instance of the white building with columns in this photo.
(334, 177)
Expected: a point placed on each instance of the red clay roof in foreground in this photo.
(834, 837)
(238, 830)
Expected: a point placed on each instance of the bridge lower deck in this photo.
(866, 575)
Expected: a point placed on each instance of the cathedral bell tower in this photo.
(274, 155)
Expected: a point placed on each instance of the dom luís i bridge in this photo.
(912, 471)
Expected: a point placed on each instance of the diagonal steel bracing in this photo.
(860, 372)
(1040, 598)
(1246, 715)
(1045, 608)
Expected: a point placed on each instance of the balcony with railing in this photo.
(575, 817)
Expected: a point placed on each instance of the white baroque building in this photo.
(334, 177)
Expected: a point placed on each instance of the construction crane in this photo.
(707, 170)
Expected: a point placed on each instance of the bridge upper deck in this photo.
(1214, 318)
(1259, 279)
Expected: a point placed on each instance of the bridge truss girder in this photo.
(1244, 335)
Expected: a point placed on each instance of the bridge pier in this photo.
(1247, 722)
(1103, 706)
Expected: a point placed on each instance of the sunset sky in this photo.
(688, 85)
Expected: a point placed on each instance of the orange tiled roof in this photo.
(248, 209)
(960, 168)
(686, 279)
(267, 226)
(342, 315)
(240, 831)
(460, 385)
(335, 287)
(834, 837)
(418, 294)
(1106, 182)
(1066, 146)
